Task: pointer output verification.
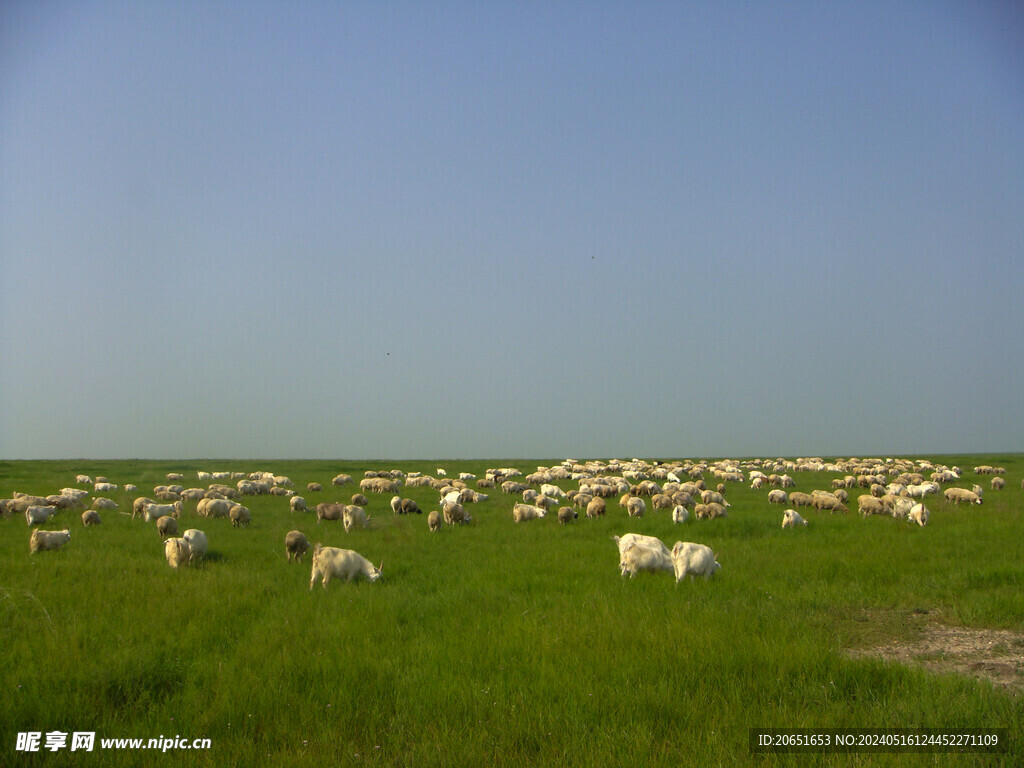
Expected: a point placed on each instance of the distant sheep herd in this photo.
(896, 488)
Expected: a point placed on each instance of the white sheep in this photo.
(197, 544)
(240, 516)
(178, 552)
(38, 514)
(792, 518)
(42, 541)
(689, 559)
(919, 514)
(680, 514)
(635, 506)
(167, 526)
(354, 517)
(522, 513)
(638, 557)
(434, 520)
(777, 496)
(347, 564)
(91, 517)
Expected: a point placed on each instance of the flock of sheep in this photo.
(894, 487)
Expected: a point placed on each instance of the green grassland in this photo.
(494, 643)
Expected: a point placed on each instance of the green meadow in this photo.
(496, 643)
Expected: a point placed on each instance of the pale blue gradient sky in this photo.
(450, 230)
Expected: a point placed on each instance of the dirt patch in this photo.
(989, 654)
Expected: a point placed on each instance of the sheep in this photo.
(566, 515)
(522, 513)
(178, 552)
(314, 487)
(871, 505)
(341, 480)
(329, 562)
(777, 496)
(240, 516)
(919, 515)
(91, 517)
(329, 511)
(396, 504)
(139, 505)
(167, 526)
(709, 511)
(83, 479)
(359, 500)
(38, 514)
(596, 507)
(998, 483)
(689, 559)
(154, 511)
(297, 504)
(800, 499)
(101, 503)
(680, 514)
(455, 514)
(378, 485)
(197, 544)
(42, 541)
(709, 497)
(635, 506)
(295, 546)
(791, 518)
(901, 506)
(823, 501)
(104, 487)
(434, 520)
(354, 517)
(213, 508)
(661, 501)
(637, 557)
(957, 495)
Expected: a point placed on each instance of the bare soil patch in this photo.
(989, 654)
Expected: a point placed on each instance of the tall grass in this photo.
(495, 643)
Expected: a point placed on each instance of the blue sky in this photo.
(452, 230)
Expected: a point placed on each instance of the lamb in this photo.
(919, 515)
(566, 515)
(178, 552)
(958, 495)
(343, 563)
(354, 517)
(680, 514)
(434, 520)
(167, 526)
(91, 517)
(196, 542)
(240, 516)
(689, 559)
(43, 541)
(295, 545)
(522, 513)
(791, 518)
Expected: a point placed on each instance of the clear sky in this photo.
(523, 229)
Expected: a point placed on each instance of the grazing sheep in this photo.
(800, 499)
(791, 518)
(91, 517)
(396, 504)
(455, 514)
(709, 511)
(341, 480)
(329, 511)
(154, 511)
(522, 513)
(297, 504)
(689, 559)
(167, 526)
(434, 520)
(178, 552)
(958, 495)
(314, 487)
(919, 515)
(596, 507)
(680, 514)
(42, 541)
(196, 542)
(871, 505)
(635, 506)
(354, 517)
(139, 506)
(823, 501)
(566, 515)
(998, 483)
(101, 503)
(38, 514)
(777, 496)
(240, 516)
(359, 500)
(637, 557)
(347, 564)
(295, 545)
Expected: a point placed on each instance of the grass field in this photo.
(496, 643)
